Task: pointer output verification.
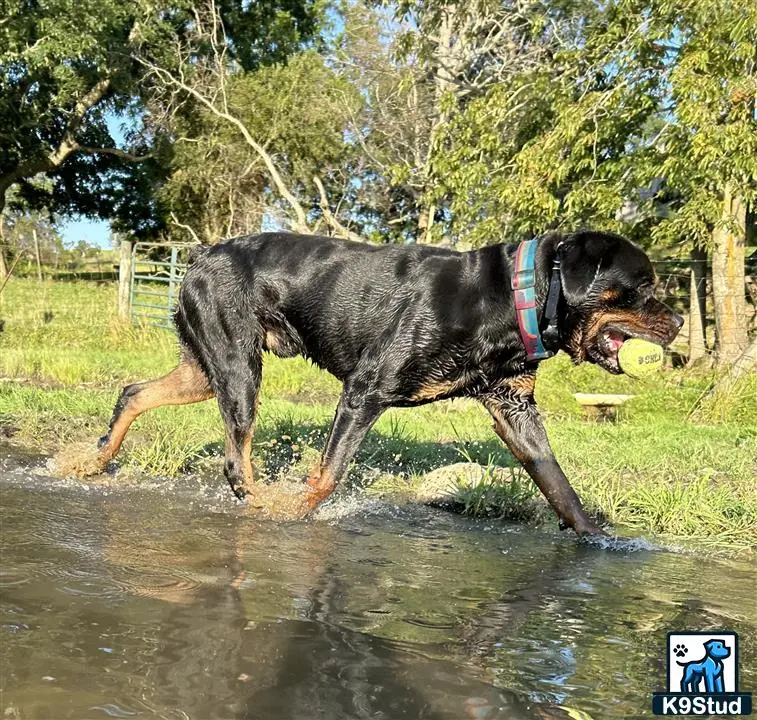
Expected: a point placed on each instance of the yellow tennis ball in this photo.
(639, 358)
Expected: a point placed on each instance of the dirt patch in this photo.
(7, 431)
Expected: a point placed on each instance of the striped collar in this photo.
(523, 286)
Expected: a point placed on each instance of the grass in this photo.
(653, 470)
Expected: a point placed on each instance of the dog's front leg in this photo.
(517, 422)
(355, 415)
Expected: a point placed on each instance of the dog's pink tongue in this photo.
(617, 341)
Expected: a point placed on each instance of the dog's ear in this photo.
(584, 254)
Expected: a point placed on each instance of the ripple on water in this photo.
(216, 610)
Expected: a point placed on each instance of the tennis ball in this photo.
(639, 358)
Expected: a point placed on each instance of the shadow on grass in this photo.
(288, 447)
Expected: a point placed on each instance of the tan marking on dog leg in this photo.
(320, 486)
(185, 384)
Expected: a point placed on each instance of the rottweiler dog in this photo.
(399, 326)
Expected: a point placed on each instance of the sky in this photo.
(95, 232)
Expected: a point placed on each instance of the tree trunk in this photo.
(697, 306)
(744, 364)
(449, 56)
(426, 214)
(728, 279)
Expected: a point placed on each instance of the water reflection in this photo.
(130, 603)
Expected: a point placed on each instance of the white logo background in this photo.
(695, 651)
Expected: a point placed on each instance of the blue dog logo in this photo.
(709, 669)
(707, 685)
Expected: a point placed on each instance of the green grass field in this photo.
(654, 470)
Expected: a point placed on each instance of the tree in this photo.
(67, 66)
(219, 185)
(415, 70)
(390, 128)
(63, 66)
(562, 140)
(711, 149)
(206, 78)
(466, 49)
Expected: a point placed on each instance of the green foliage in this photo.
(67, 69)
(630, 92)
(513, 498)
(64, 68)
(298, 111)
(711, 141)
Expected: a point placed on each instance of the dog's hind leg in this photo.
(185, 384)
(237, 395)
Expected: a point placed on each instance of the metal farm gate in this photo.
(156, 272)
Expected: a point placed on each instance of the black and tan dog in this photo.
(399, 326)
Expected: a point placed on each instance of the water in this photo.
(171, 602)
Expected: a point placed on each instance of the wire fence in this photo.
(54, 266)
(37, 306)
(674, 287)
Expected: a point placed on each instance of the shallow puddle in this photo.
(170, 601)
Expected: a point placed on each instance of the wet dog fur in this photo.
(398, 326)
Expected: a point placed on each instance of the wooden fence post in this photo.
(124, 278)
(697, 305)
(36, 254)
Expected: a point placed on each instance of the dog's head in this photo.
(716, 649)
(608, 288)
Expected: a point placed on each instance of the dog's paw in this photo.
(680, 650)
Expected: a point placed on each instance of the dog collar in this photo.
(523, 285)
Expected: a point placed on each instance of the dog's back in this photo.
(317, 296)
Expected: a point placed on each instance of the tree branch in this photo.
(301, 223)
(68, 142)
(183, 226)
(123, 154)
(67, 145)
(330, 218)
